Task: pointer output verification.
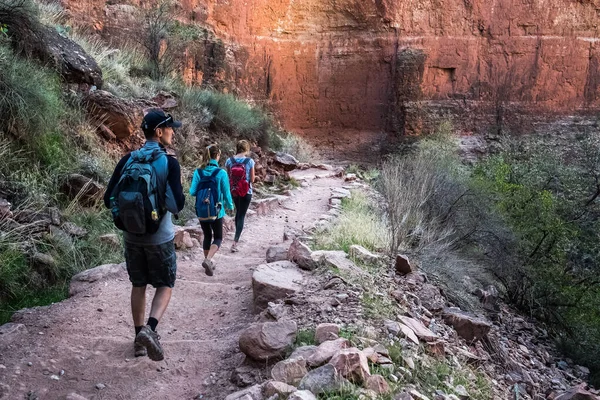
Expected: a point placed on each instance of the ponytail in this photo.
(210, 153)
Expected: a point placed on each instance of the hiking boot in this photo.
(139, 350)
(150, 340)
(208, 267)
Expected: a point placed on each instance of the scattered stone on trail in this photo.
(321, 380)
(290, 233)
(339, 193)
(302, 395)
(74, 230)
(87, 191)
(326, 332)
(81, 281)
(274, 281)
(43, 259)
(252, 393)
(290, 371)
(264, 206)
(326, 350)
(182, 239)
(409, 333)
(577, 393)
(269, 340)
(272, 388)
(336, 260)
(100, 386)
(277, 253)
(304, 352)
(301, 255)
(419, 329)
(245, 375)
(403, 266)
(468, 326)
(111, 239)
(285, 161)
(350, 177)
(378, 384)
(431, 298)
(351, 364)
(363, 254)
(392, 327)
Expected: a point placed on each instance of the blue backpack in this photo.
(207, 196)
(138, 199)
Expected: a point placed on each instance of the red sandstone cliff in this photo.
(392, 65)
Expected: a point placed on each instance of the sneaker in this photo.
(234, 248)
(139, 350)
(150, 340)
(208, 267)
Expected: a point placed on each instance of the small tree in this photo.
(155, 38)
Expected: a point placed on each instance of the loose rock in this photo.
(326, 332)
(268, 340)
(290, 371)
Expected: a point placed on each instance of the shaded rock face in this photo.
(378, 65)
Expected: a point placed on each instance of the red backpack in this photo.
(238, 179)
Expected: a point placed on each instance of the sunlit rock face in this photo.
(387, 65)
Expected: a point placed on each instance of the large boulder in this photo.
(322, 380)
(290, 371)
(252, 393)
(268, 340)
(468, 326)
(87, 191)
(274, 281)
(285, 161)
(114, 116)
(352, 364)
(81, 281)
(302, 255)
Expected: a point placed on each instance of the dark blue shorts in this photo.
(154, 265)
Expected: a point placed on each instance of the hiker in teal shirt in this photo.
(213, 230)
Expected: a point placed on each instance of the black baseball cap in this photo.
(157, 118)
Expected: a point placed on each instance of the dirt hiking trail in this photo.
(84, 345)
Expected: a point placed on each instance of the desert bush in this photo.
(295, 145)
(21, 25)
(225, 113)
(358, 223)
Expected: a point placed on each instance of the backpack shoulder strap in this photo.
(215, 172)
(246, 160)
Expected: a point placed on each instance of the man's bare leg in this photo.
(160, 302)
(138, 305)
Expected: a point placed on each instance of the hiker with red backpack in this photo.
(211, 188)
(241, 176)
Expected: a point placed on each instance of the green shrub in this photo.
(357, 224)
(30, 97)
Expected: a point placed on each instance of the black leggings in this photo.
(208, 227)
(241, 208)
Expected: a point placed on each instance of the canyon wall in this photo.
(395, 66)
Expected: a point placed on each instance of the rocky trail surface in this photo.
(82, 348)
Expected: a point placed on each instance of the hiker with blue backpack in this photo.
(211, 188)
(241, 176)
(143, 192)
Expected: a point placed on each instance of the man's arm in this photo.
(114, 179)
(175, 199)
